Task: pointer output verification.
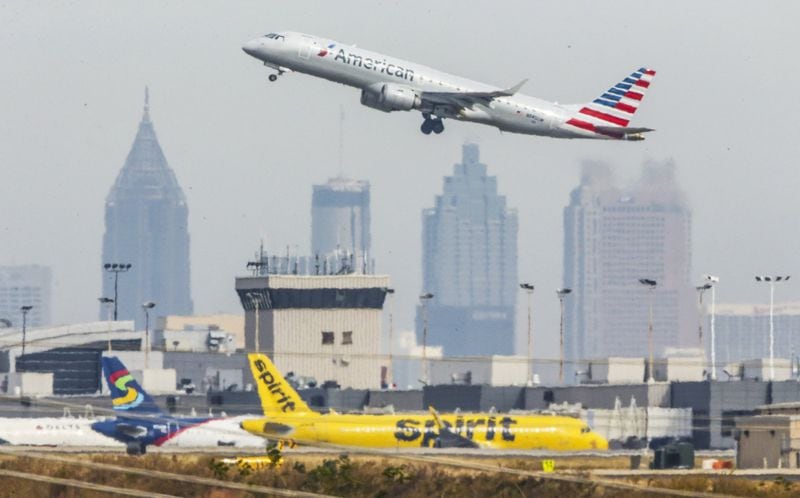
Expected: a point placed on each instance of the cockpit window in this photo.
(275, 36)
(585, 429)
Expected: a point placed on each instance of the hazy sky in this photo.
(247, 151)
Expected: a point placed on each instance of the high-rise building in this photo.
(147, 227)
(742, 333)
(613, 237)
(340, 221)
(469, 253)
(28, 285)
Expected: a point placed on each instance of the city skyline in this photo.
(469, 264)
(340, 221)
(146, 243)
(616, 239)
(246, 149)
(26, 285)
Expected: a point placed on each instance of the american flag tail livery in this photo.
(609, 114)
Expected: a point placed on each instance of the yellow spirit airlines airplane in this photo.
(389, 84)
(288, 418)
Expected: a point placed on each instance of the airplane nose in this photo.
(251, 47)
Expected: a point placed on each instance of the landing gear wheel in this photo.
(437, 126)
(427, 127)
(273, 77)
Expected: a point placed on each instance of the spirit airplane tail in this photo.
(610, 113)
(277, 395)
(126, 394)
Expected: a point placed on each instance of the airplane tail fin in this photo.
(616, 106)
(277, 395)
(126, 393)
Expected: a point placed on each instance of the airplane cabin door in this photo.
(304, 52)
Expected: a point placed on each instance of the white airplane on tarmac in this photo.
(390, 84)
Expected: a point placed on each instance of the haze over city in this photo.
(246, 151)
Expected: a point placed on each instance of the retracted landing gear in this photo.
(434, 125)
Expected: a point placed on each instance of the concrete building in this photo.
(493, 370)
(322, 326)
(228, 323)
(612, 238)
(27, 285)
(770, 439)
(70, 352)
(469, 253)
(340, 221)
(742, 332)
(147, 227)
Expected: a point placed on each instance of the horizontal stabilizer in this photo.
(621, 130)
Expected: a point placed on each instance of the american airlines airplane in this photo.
(389, 84)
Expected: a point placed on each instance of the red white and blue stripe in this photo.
(616, 106)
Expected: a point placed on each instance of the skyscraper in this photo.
(28, 285)
(469, 252)
(612, 238)
(147, 227)
(340, 221)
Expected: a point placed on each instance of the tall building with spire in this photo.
(469, 252)
(147, 227)
(613, 237)
(340, 222)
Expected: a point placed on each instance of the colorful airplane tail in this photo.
(610, 113)
(126, 394)
(277, 395)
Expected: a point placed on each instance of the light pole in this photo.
(389, 376)
(147, 306)
(561, 293)
(116, 269)
(108, 302)
(771, 280)
(528, 288)
(713, 281)
(424, 298)
(24, 310)
(256, 300)
(651, 287)
(701, 289)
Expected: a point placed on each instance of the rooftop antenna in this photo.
(260, 262)
(341, 141)
(146, 103)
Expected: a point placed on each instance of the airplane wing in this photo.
(276, 429)
(447, 438)
(468, 99)
(131, 430)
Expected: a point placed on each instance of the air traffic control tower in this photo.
(323, 326)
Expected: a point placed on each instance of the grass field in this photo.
(358, 476)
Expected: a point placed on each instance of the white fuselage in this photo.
(77, 431)
(53, 431)
(215, 433)
(363, 69)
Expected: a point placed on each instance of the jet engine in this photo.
(388, 97)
